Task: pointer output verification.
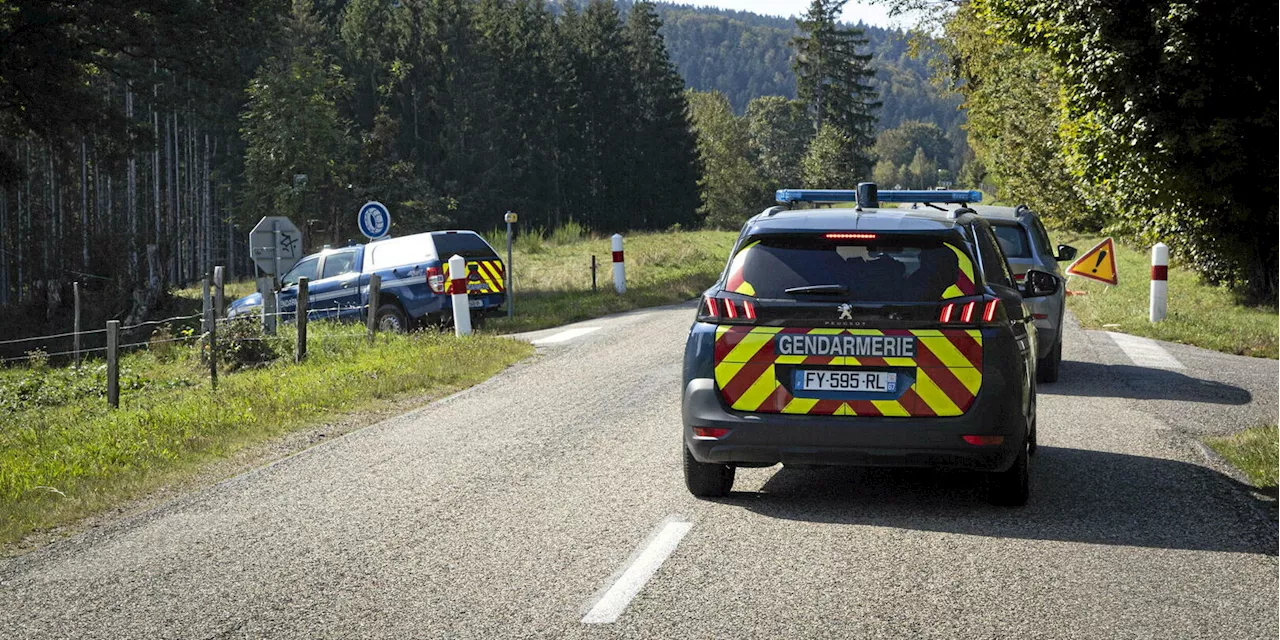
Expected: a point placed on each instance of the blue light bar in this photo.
(787, 196)
(928, 195)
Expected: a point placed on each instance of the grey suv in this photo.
(1026, 245)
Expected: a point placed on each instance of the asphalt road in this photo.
(510, 509)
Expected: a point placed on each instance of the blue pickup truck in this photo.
(414, 271)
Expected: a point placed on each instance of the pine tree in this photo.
(731, 188)
(607, 111)
(665, 176)
(293, 128)
(779, 134)
(826, 165)
(833, 79)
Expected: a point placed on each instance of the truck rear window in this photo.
(467, 245)
(905, 269)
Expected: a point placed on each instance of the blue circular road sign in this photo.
(375, 220)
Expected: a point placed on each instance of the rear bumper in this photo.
(765, 439)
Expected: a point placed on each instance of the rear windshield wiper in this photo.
(819, 289)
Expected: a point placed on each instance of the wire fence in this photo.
(217, 332)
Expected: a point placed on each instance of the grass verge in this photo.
(1199, 314)
(553, 274)
(64, 455)
(1254, 451)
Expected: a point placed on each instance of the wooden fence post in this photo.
(371, 313)
(219, 277)
(75, 346)
(206, 304)
(300, 352)
(113, 363)
(210, 320)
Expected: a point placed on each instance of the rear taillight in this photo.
(435, 279)
(984, 440)
(986, 311)
(727, 310)
(710, 432)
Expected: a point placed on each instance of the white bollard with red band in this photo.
(458, 289)
(1159, 281)
(619, 266)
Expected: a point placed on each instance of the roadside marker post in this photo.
(1159, 282)
(458, 289)
(619, 266)
(593, 273)
(510, 217)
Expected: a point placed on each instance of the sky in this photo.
(853, 12)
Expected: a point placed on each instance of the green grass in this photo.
(553, 274)
(1253, 451)
(1199, 314)
(65, 455)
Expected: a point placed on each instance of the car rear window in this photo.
(467, 245)
(1013, 240)
(902, 269)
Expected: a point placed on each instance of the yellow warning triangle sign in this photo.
(1099, 263)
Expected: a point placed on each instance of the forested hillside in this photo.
(746, 55)
(141, 140)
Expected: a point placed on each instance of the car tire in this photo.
(391, 318)
(1012, 487)
(706, 479)
(1031, 432)
(1048, 366)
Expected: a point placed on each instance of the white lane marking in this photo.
(567, 334)
(616, 599)
(1144, 352)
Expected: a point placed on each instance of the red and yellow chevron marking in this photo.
(735, 282)
(490, 271)
(964, 285)
(948, 370)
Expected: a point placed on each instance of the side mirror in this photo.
(1066, 252)
(1038, 284)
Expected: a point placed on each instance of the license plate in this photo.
(476, 303)
(874, 381)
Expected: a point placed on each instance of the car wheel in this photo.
(706, 479)
(1047, 367)
(1012, 487)
(391, 318)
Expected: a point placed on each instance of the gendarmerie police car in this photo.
(864, 336)
(413, 271)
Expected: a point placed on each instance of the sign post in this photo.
(374, 220)
(511, 218)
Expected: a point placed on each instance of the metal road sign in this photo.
(374, 220)
(1098, 263)
(275, 244)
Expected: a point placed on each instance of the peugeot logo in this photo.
(846, 311)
